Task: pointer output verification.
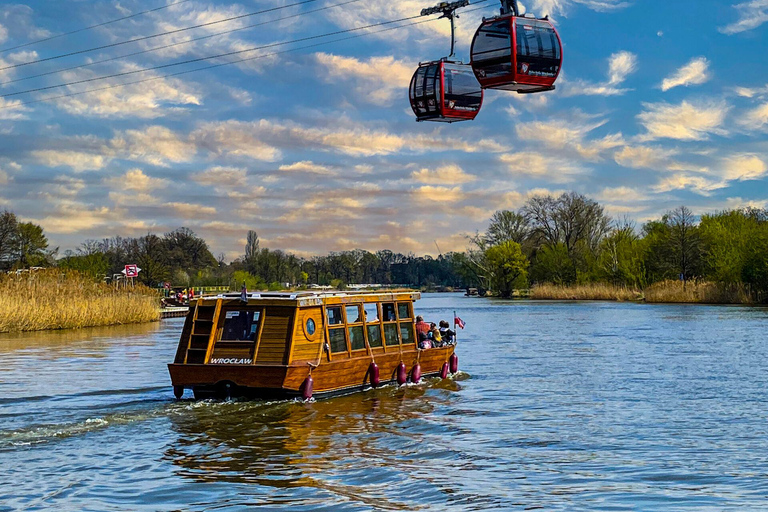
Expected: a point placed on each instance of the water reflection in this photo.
(57, 343)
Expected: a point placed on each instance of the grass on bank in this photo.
(662, 292)
(50, 299)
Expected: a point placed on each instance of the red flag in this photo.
(458, 321)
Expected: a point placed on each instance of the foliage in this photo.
(507, 265)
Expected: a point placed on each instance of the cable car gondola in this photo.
(516, 53)
(445, 90)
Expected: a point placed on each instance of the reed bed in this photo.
(50, 299)
(593, 291)
(692, 292)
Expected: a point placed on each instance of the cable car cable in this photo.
(144, 38)
(163, 47)
(92, 26)
(212, 66)
(199, 59)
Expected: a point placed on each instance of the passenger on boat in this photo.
(437, 340)
(446, 333)
(422, 327)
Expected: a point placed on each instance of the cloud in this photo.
(696, 183)
(643, 157)
(307, 166)
(374, 85)
(621, 194)
(438, 195)
(192, 211)
(136, 180)
(687, 121)
(756, 118)
(744, 167)
(555, 169)
(156, 145)
(752, 14)
(3, 177)
(544, 7)
(570, 133)
(447, 174)
(620, 66)
(77, 160)
(146, 100)
(227, 177)
(696, 72)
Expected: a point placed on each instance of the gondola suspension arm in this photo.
(449, 11)
(509, 7)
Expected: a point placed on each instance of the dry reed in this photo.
(702, 292)
(49, 299)
(593, 291)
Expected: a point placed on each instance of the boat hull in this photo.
(275, 381)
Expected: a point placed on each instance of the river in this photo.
(559, 406)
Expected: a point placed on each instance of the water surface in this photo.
(559, 406)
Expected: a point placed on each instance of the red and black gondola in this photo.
(516, 53)
(445, 91)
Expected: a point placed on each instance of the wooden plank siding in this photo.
(275, 335)
(308, 348)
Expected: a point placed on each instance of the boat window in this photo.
(356, 338)
(371, 312)
(353, 314)
(240, 325)
(334, 315)
(310, 329)
(390, 334)
(403, 311)
(388, 311)
(406, 332)
(337, 339)
(374, 335)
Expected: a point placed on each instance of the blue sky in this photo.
(659, 104)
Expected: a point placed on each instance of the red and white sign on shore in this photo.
(131, 271)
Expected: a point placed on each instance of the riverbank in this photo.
(53, 300)
(671, 292)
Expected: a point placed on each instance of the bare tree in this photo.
(685, 242)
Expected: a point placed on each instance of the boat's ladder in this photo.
(202, 333)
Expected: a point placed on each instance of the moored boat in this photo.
(302, 344)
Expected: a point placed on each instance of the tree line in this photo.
(564, 240)
(569, 240)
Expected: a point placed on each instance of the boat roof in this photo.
(314, 298)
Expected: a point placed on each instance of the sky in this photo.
(314, 146)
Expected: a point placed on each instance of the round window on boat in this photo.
(310, 328)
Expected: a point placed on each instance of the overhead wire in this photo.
(238, 61)
(144, 38)
(134, 15)
(179, 43)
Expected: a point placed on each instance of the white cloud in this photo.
(228, 177)
(686, 121)
(156, 145)
(744, 167)
(756, 118)
(77, 160)
(752, 14)
(694, 73)
(696, 183)
(374, 84)
(620, 66)
(554, 169)
(438, 195)
(192, 211)
(621, 194)
(445, 175)
(544, 7)
(306, 166)
(643, 157)
(136, 180)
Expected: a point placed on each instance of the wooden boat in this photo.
(302, 344)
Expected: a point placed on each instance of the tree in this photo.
(685, 242)
(251, 251)
(554, 265)
(8, 238)
(31, 244)
(507, 265)
(621, 258)
(505, 226)
(187, 251)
